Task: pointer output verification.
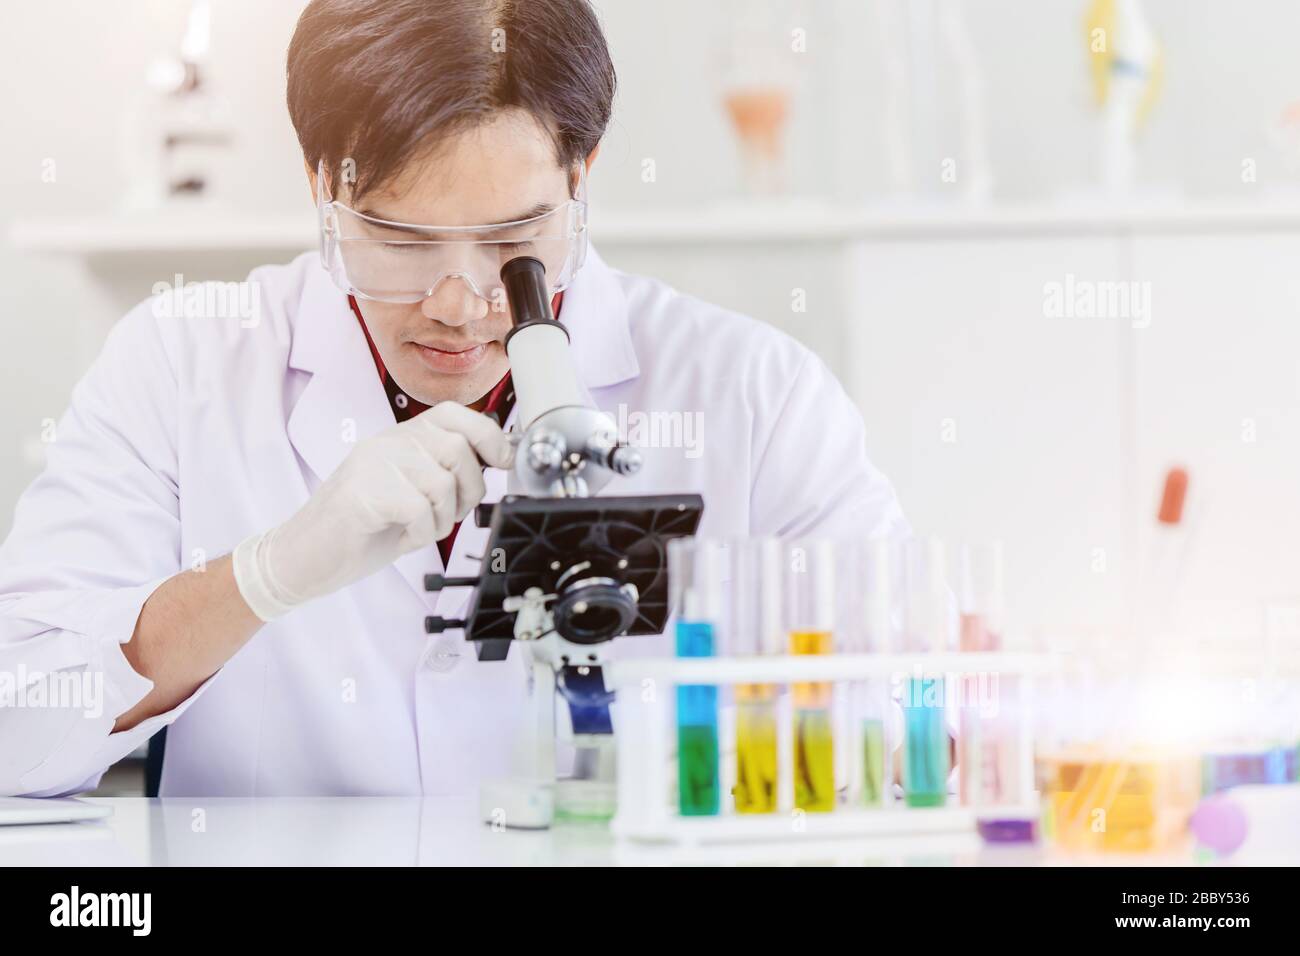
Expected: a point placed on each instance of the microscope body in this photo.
(578, 570)
(567, 449)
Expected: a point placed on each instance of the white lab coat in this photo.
(187, 435)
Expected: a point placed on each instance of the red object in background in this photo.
(1175, 493)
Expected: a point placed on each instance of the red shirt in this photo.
(499, 401)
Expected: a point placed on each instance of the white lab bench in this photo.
(438, 831)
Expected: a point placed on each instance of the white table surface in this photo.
(379, 831)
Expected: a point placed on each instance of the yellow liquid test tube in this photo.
(756, 619)
(755, 790)
(871, 700)
(814, 744)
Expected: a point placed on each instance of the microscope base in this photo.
(517, 804)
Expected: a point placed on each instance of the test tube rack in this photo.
(644, 711)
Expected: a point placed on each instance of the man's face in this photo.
(450, 346)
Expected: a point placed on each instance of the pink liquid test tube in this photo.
(989, 762)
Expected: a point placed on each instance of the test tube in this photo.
(811, 614)
(989, 768)
(872, 704)
(754, 607)
(695, 574)
(926, 761)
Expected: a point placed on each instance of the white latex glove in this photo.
(403, 489)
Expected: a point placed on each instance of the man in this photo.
(232, 530)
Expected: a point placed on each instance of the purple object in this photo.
(1007, 829)
(1220, 823)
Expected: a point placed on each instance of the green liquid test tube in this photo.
(699, 793)
(873, 762)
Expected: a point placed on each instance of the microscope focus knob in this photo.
(545, 452)
(624, 460)
(436, 625)
(436, 582)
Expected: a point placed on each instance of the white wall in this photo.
(1001, 424)
(64, 83)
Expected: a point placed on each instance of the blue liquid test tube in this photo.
(926, 759)
(695, 575)
(699, 793)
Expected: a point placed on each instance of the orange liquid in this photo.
(807, 694)
(1119, 804)
(759, 117)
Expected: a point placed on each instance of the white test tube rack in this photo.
(644, 715)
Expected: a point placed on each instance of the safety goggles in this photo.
(406, 262)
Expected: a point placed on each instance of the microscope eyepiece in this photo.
(524, 278)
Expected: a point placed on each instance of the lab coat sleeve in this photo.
(92, 538)
(812, 477)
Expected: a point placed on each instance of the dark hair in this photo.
(378, 81)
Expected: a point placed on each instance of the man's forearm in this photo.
(186, 632)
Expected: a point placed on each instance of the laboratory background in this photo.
(1057, 280)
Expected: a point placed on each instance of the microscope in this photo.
(564, 572)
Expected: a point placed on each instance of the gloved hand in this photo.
(403, 489)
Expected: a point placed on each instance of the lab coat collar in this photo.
(344, 400)
(595, 311)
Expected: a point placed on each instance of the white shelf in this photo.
(771, 221)
(816, 222)
(200, 232)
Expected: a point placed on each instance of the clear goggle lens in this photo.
(404, 262)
